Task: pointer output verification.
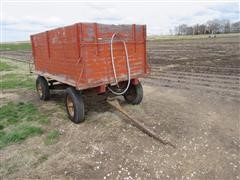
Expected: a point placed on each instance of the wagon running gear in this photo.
(74, 105)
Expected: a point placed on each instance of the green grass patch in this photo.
(20, 121)
(26, 46)
(16, 113)
(13, 81)
(19, 134)
(11, 114)
(1, 127)
(52, 137)
(43, 119)
(6, 67)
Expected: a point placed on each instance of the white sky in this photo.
(19, 20)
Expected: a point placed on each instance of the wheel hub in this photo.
(70, 106)
(39, 89)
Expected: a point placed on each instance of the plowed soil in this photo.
(209, 64)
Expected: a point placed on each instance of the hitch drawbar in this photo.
(114, 102)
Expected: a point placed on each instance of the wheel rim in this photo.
(70, 106)
(39, 89)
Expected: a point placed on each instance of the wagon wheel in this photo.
(74, 105)
(42, 88)
(134, 94)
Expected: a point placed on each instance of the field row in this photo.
(224, 85)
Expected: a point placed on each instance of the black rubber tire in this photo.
(78, 105)
(134, 94)
(41, 81)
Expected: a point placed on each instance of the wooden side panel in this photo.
(41, 58)
(80, 53)
(64, 52)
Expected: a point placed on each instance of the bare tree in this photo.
(183, 29)
(196, 29)
(176, 30)
(210, 27)
(235, 27)
(202, 29)
(227, 26)
(189, 30)
(214, 26)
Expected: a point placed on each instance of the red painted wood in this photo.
(79, 54)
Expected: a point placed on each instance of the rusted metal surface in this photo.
(79, 55)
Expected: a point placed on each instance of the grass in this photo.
(6, 67)
(52, 137)
(13, 81)
(19, 134)
(15, 75)
(19, 121)
(15, 113)
(23, 46)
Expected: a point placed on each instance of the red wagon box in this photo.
(90, 55)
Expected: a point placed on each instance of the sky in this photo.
(20, 19)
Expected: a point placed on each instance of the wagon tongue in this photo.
(115, 103)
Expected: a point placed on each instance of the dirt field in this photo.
(209, 64)
(191, 98)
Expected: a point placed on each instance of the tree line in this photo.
(215, 26)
